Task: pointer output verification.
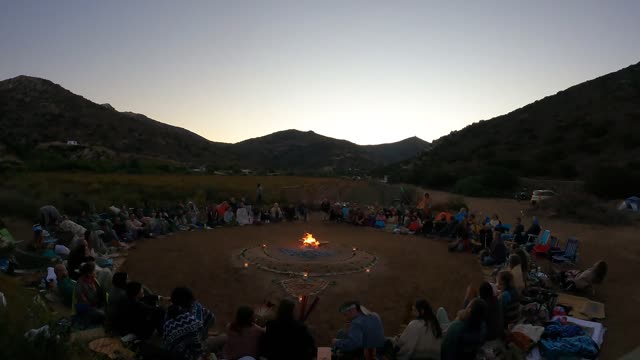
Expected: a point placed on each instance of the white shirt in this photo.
(417, 341)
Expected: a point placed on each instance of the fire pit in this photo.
(312, 257)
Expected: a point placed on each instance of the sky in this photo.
(366, 71)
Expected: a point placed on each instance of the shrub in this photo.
(611, 181)
(490, 182)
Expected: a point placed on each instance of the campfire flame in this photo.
(309, 240)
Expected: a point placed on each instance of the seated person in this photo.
(325, 207)
(90, 296)
(286, 338)
(380, 220)
(65, 285)
(518, 232)
(289, 212)
(335, 214)
(135, 228)
(302, 212)
(414, 225)
(461, 243)
(582, 280)
(534, 229)
(422, 338)
(275, 213)
(120, 229)
(441, 221)
(509, 298)
(365, 333)
(117, 300)
(359, 218)
(345, 212)
(243, 335)
(242, 215)
(186, 327)
(495, 321)
(140, 318)
(466, 334)
(497, 252)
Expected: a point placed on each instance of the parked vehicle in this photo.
(540, 195)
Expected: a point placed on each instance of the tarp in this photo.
(632, 203)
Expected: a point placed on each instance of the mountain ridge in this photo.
(35, 110)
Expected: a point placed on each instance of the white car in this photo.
(539, 195)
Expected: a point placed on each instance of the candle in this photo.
(305, 274)
(246, 264)
(368, 270)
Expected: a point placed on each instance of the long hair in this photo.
(425, 313)
(285, 310)
(477, 313)
(244, 319)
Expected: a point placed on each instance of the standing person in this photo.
(286, 338)
(466, 334)
(364, 334)
(425, 206)
(259, 195)
(243, 336)
(422, 338)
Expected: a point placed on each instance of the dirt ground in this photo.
(409, 267)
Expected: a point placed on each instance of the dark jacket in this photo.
(288, 340)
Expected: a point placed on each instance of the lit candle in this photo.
(246, 264)
(368, 270)
(300, 298)
(305, 274)
(354, 249)
(264, 245)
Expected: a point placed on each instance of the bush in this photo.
(584, 208)
(493, 181)
(613, 182)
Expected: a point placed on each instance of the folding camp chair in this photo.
(542, 240)
(570, 253)
(543, 249)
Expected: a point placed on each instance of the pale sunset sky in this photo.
(366, 71)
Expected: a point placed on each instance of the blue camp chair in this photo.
(541, 240)
(570, 253)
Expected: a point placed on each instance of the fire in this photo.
(309, 240)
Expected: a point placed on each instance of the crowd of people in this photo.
(85, 281)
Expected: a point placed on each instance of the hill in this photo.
(293, 149)
(573, 134)
(38, 118)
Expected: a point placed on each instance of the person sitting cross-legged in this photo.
(422, 338)
(287, 338)
(186, 327)
(141, 319)
(466, 334)
(65, 284)
(497, 252)
(90, 296)
(364, 335)
(243, 336)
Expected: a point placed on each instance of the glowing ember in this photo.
(310, 241)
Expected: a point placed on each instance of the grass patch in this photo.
(584, 208)
(23, 312)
